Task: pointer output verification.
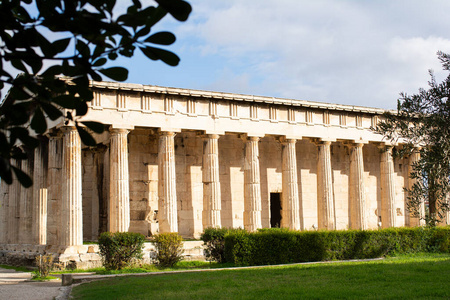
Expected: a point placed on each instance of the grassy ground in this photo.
(406, 277)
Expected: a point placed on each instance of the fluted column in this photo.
(14, 208)
(25, 213)
(252, 185)
(358, 217)
(290, 200)
(39, 223)
(211, 184)
(4, 213)
(119, 205)
(54, 195)
(415, 220)
(168, 220)
(326, 210)
(388, 213)
(71, 212)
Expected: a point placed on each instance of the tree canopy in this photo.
(58, 46)
(423, 121)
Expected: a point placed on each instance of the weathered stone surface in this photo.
(172, 173)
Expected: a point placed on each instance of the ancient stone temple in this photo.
(179, 160)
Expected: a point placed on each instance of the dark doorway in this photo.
(275, 210)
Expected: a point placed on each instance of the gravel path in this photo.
(16, 285)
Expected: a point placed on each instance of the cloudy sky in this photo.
(348, 52)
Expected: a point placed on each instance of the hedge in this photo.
(280, 246)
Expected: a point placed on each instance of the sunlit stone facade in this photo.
(179, 160)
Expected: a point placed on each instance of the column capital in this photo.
(245, 137)
(320, 141)
(286, 140)
(67, 128)
(114, 130)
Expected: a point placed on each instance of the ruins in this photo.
(181, 160)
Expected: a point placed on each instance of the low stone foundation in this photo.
(81, 257)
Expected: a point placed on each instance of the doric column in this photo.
(167, 194)
(414, 220)
(387, 188)
(39, 224)
(119, 205)
(252, 185)
(290, 200)
(4, 213)
(14, 208)
(71, 212)
(358, 218)
(54, 195)
(25, 213)
(211, 184)
(325, 194)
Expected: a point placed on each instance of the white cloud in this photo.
(350, 52)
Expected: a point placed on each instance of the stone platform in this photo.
(82, 257)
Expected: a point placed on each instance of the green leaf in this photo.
(161, 38)
(23, 178)
(65, 101)
(52, 71)
(96, 127)
(81, 108)
(99, 62)
(115, 73)
(38, 123)
(52, 112)
(18, 64)
(61, 45)
(179, 9)
(166, 56)
(85, 136)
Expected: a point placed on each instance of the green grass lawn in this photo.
(405, 277)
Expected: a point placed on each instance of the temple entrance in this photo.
(275, 210)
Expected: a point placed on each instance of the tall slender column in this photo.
(54, 196)
(290, 201)
(414, 220)
(252, 185)
(326, 211)
(358, 218)
(168, 220)
(119, 206)
(14, 208)
(4, 213)
(387, 188)
(71, 212)
(25, 213)
(211, 184)
(39, 224)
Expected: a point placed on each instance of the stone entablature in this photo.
(172, 109)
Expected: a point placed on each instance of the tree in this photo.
(55, 73)
(423, 121)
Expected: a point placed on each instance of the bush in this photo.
(169, 248)
(44, 265)
(120, 249)
(214, 241)
(280, 246)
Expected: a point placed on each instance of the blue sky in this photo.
(348, 52)
(355, 52)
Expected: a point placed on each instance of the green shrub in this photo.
(44, 264)
(120, 249)
(214, 241)
(280, 246)
(169, 248)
